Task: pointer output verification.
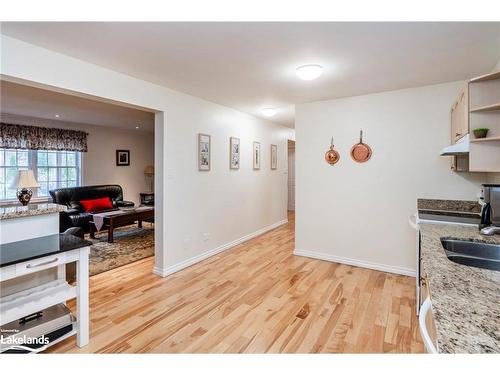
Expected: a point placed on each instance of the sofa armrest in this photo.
(65, 220)
(71, 211)
(125, 204)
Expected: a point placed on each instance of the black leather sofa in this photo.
(75, 216)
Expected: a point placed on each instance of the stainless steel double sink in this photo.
(472, 253)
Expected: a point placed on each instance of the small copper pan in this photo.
(361, 152)
(332, 156)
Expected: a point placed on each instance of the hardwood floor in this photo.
(255, 298)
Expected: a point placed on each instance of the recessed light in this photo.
(137, 127)
(57, 116)
(268, 112)
(309, 72)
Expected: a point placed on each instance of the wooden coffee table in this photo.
(123, 219)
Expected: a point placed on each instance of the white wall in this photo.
(99, 164)
(497, 67)
(226, 204)
(360, 211)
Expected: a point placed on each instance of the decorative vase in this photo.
(24, 196)
(480, 133)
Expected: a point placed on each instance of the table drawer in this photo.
(40, 264)
(7, 273)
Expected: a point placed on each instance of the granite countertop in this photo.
(17, 210)
(449, 207)
(465, 300)
(22, 251)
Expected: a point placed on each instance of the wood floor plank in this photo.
(254, 298)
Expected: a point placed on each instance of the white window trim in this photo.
(33, 165)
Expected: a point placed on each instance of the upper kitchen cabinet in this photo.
(460, 116)
(484, 112)
(477, 106)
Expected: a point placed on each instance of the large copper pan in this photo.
(361, 152)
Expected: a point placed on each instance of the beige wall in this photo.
(99, 166)
(497, 67)
(493, 178)
(359, 213)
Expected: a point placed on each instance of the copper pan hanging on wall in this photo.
(332, 156)
(361, 152)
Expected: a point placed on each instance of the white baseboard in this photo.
(354, 262)
(163, 272)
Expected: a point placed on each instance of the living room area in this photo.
(89, 160)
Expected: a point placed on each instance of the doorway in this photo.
(291, 175)
(113, 129)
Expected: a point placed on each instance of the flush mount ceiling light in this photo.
(309, 72)
(268, 112)
(57, 116)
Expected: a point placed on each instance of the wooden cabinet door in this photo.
(463, 104)
(460, 116)
(454, 122)
(453, 163)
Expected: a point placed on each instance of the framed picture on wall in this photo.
(122, 158)
(256, 155)
(204, 152)
(234, 153)
(274, 156)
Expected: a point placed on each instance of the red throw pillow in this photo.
(94, 205)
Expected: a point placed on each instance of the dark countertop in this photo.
(22, 251)
(465, 300)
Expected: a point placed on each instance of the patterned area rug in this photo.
(130, 244)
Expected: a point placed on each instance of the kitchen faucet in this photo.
(490, 211)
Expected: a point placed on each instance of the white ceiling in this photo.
(33, 102)
(249, 66)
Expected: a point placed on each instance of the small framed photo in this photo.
(274, 156)
(204, 149)
(256, 155)
(234, 153)
(122, 158)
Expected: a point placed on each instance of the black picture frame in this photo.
(122, 158)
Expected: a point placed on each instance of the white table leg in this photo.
(61, 271)
(82, 299)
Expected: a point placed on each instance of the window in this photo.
(52, 169)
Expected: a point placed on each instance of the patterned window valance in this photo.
(37, 138)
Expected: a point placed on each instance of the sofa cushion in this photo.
(96, 205)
